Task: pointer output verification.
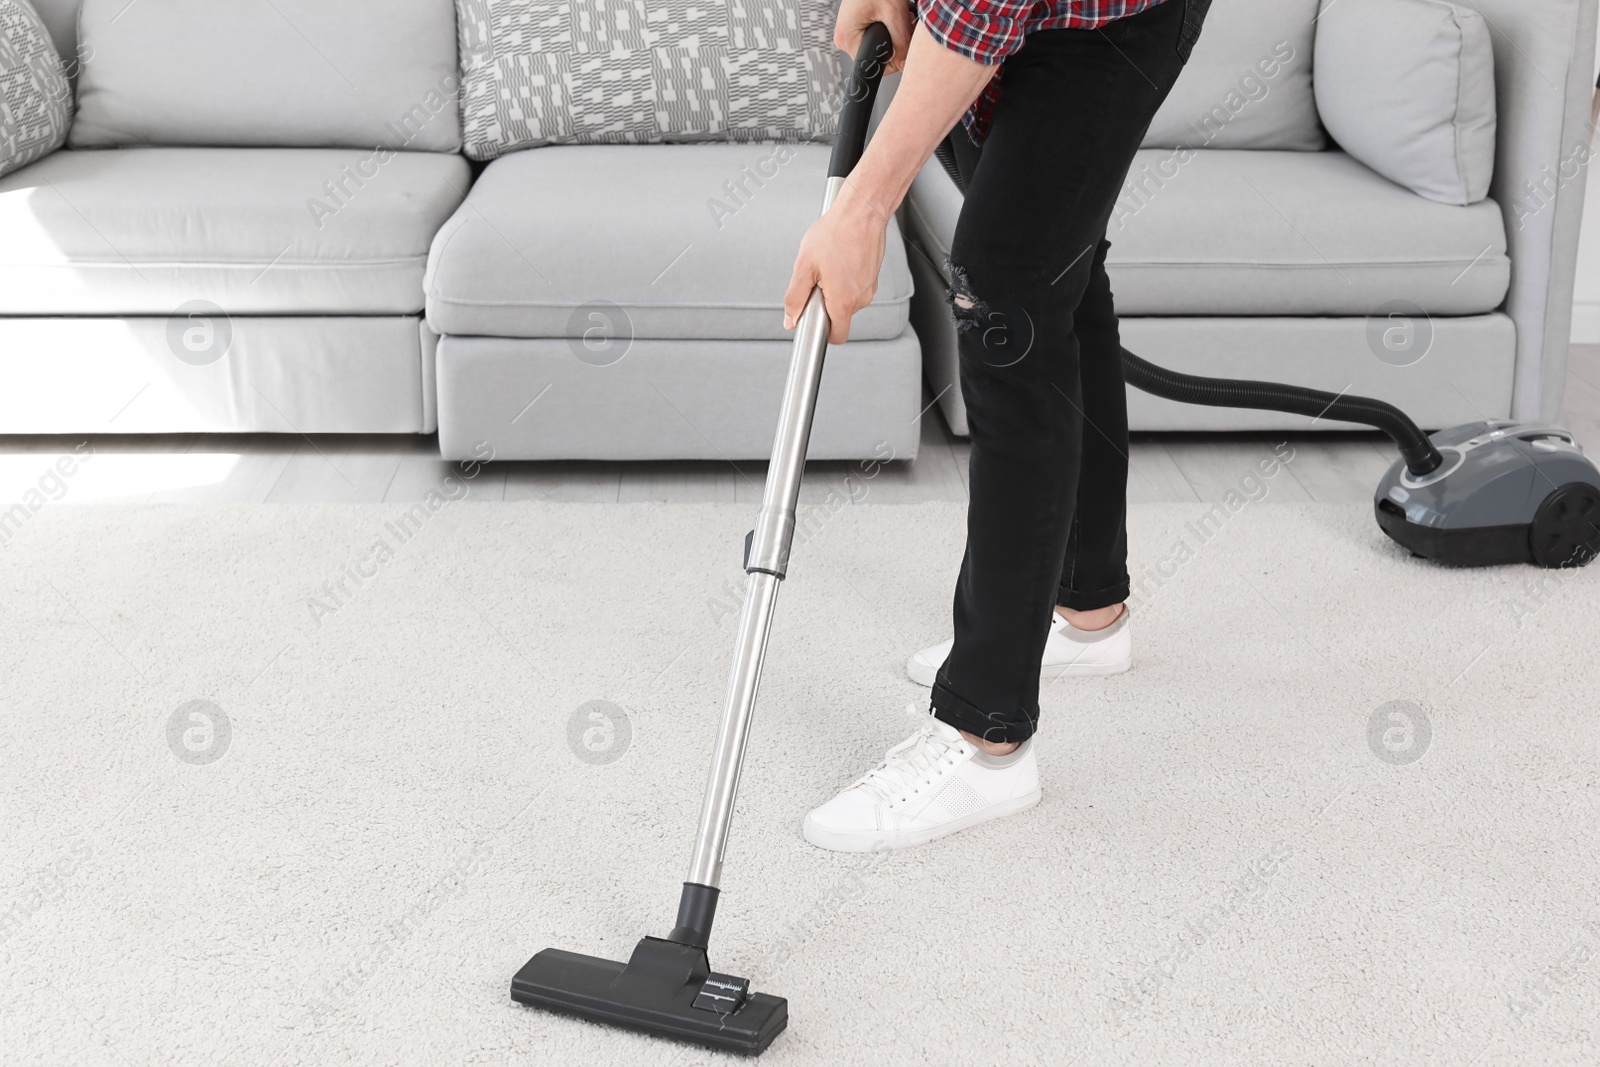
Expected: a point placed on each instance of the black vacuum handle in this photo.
(860, 92)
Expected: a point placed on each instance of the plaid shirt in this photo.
(990, 30)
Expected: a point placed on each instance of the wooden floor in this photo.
(230, 468)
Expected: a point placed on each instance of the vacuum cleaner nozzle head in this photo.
(666, 989)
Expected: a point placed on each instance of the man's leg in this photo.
(1094, 575)
(1073, 108)
(1026, 293)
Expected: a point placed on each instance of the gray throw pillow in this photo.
(538, 72)
(1407, 87)
(35, 99)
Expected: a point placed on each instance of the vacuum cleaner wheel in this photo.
(1566, 529)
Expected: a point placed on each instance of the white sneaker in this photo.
(931, 784)
(1067, 651)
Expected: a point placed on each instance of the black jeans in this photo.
(1041, 368)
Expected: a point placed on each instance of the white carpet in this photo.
(1223, 869)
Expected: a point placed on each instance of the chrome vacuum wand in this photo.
(667, 988)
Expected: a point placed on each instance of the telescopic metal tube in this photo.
(716, 812)
(768, 562)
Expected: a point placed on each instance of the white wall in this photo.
(1586, 296)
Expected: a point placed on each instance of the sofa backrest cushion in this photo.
(35, 100)
(269, 73)
(1407, 87)
(539, 72)
(1248, 82)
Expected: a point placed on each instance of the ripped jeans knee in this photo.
(1001, 330)
(966, 309)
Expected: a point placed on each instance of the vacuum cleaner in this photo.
(1487, 492)
(667, 987)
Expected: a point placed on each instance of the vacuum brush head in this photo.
(667, 989)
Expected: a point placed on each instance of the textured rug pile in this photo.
(307, 785)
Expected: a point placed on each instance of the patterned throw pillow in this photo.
(35, 99)
(538, 72)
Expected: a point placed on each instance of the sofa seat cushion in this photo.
(692, 241)
(140, 231)
(1273, 233)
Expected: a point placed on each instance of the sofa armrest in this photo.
(1544, 71)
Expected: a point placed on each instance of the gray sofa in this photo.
(1269, 253)
(594, 283)
(221, 248)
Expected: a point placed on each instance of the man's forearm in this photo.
(936, 88)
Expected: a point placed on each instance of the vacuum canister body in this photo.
(1506, 493)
